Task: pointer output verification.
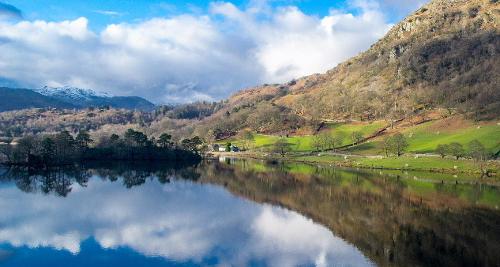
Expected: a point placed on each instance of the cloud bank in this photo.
(187, 57)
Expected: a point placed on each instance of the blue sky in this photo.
(103, 12)
(178, 51)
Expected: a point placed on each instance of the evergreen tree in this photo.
(83, 139)
(165, 140)
(48, 152)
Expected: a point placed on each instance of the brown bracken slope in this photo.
(444, 55)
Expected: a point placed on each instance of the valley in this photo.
(424, 97)
(155, 134)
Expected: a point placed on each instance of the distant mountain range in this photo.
(66, 97)
(70, 93)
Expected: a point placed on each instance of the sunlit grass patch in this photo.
(305, 143)
(426, 137)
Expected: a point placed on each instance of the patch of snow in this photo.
(70, 92)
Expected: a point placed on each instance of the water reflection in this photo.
(166, 213)
(195, 216)
(393, 219)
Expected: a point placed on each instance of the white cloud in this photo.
(294, 44)
(186, 57)
(110, 13)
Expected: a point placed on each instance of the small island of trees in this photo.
(64, 149)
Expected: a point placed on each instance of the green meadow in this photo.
(421, 138)
(425, 138)
(304, 143)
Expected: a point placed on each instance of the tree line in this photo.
(396, 145)
(476, 149)
(63, 149)
(331, 141)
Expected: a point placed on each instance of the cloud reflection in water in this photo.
(180, 221)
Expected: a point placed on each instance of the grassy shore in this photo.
(422, 140)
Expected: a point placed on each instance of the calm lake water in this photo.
(244, 213)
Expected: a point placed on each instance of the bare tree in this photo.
(316, 142)
(442, 150)
(356, 137)
(248, 139)
(456, 149)
(399, 144)
(282, 147)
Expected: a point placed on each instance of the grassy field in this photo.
(423, 138)
(304, 143)
(426, 137)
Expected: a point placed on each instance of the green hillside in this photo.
(423, 138)
(426, 137)
(305, 143)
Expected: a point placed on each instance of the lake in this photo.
(244, 213)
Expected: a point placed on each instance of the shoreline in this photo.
(99, 161)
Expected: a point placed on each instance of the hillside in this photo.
(18, 123)
(13, 99)
(441, 62)
(67, 97)
(444, 55)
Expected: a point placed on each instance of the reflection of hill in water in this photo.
(379, 215)
(386, 218)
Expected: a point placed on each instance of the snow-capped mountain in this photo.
(89, 98)
(71, 93)
(67, 97)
